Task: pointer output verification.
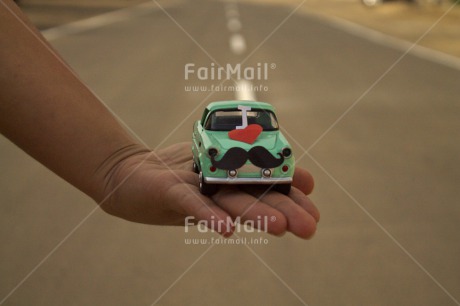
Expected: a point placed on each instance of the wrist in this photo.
(109, 167)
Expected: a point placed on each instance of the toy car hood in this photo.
(267, 140)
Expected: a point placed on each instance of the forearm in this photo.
(48, 112)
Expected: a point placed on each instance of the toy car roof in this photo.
(235, 103)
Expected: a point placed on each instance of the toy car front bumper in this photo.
(240, 180)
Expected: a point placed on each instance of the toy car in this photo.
(239, 142)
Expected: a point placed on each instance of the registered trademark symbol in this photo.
(273, 66)
(273, 218)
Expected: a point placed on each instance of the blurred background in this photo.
(367, 93)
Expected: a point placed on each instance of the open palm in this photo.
(161, 188)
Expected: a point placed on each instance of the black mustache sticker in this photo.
(235, 158)
(261, 157)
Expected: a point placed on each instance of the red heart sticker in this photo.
(247, 135)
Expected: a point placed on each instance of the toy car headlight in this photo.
(212, 152)
(266, 172)
(287, 152)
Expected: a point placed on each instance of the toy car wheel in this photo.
(282, 188)
(207, 189)
(195, 168)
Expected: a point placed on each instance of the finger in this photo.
(299, 221)
(303, 180)
(240, 204)
(301, 199)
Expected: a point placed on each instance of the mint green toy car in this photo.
(239, 142)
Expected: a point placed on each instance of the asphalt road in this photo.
(378, 129)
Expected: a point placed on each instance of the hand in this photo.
(161, 188)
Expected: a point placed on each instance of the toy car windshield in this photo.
(227, 120)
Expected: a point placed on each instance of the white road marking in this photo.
(234, 25)
(237, 44)
(98, 21)
(244, 91)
